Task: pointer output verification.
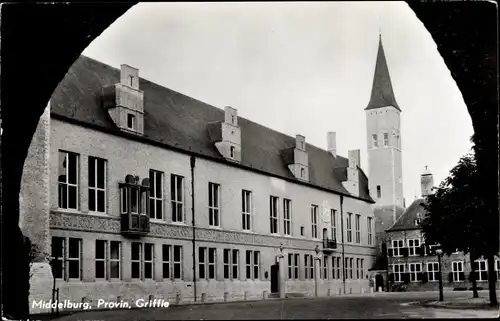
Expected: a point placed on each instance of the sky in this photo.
(301, 68)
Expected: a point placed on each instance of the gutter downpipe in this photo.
(193, 162)
(342, 229)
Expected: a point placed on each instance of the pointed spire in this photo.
(382, 93)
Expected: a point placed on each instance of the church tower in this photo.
(384, 147)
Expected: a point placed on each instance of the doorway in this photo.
(275, 274)
(379, 282)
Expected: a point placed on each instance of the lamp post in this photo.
(439, 252)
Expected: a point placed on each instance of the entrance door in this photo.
(379, 282)
(275, 274)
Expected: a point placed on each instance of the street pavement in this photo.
(401, 305)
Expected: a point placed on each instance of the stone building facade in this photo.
(134, 191)
(413, 262)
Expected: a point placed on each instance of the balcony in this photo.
(329, 245)
(134, 224)
(134, 210)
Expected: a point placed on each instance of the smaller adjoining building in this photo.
(414, 263)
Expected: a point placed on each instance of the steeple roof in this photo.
(382, 93)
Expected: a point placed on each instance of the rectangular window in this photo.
(290, 266)
(213, 204)
(115, 259)
(314, 221)
(68, 180)
(231, 264)
(124, 200)
(362, 269)
(398, 270)
(130, 121)
(349, 227)
(357, 225)
(156, 195)
(334, 267)
(351, 266)
(246, 209)
(148, 261)
(346, 267)
(252, 264)
(386, 139)
(166, 262)
(415, 271)
(100, 259)
(413, 247)
(497, 268)
(273, 214)
(58, 257)
(74, 259)
(306, 266)
(374, 140)
(370, 235)
(396, 248)
(178, 262)
(333, 224)
(481, 270)
(207, 262)
(177, 198)
(97, 185)
(433, 271)
(457, 271)
(325, 268)
(136, 260)
(134, 201)
(296, 266)
(358, 265)
(338, 268)
(287, 217)
(379, 191)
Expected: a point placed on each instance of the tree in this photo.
(459, 216)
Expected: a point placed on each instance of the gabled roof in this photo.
(407, 220)
(174, 120)
(382, 93)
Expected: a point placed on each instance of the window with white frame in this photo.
(349, 228)
(178, 262)
(308, 266)
(398, 270)
(413, 247)
(115, 260)
(97, 185)
(358, 265)
(374, 140)
(252, 264)
(68, 180)
(481, 270)
(213, 204)
(296, 258)
(333, 223)
(273, 214)
(334, 267)
(156, 194)
(231, 264)
(415, 271)
(287, 217)
(362, 269)
(397, 245)
(370, 234)
(357, 225)
(148, 261)
(386, 139)
(207, 262)
(167, 261)
(346, 267)
(290, 266)
(101, 259)
(58, 257)
(433, 271)
(136, 260)
(457, 271)
(177, 198)
(131, 121)
(314, 221)
(351, 267)
(246, 210)
(325, 268)
(74, 259)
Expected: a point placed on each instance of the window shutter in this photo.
(391, 253)
(450, 277)
(391, 277)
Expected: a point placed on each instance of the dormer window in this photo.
(231, 152)
(233, 119)
(130, 121)
(386, 139)
(302, 173)
(131, 80)
(374, 141)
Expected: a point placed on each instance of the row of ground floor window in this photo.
(74, 259)
(414, 272)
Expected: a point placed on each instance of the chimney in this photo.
(231, 115)
(300, 142)
(129, 76)
(332, 143)
(354, 158)
(426, 182)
